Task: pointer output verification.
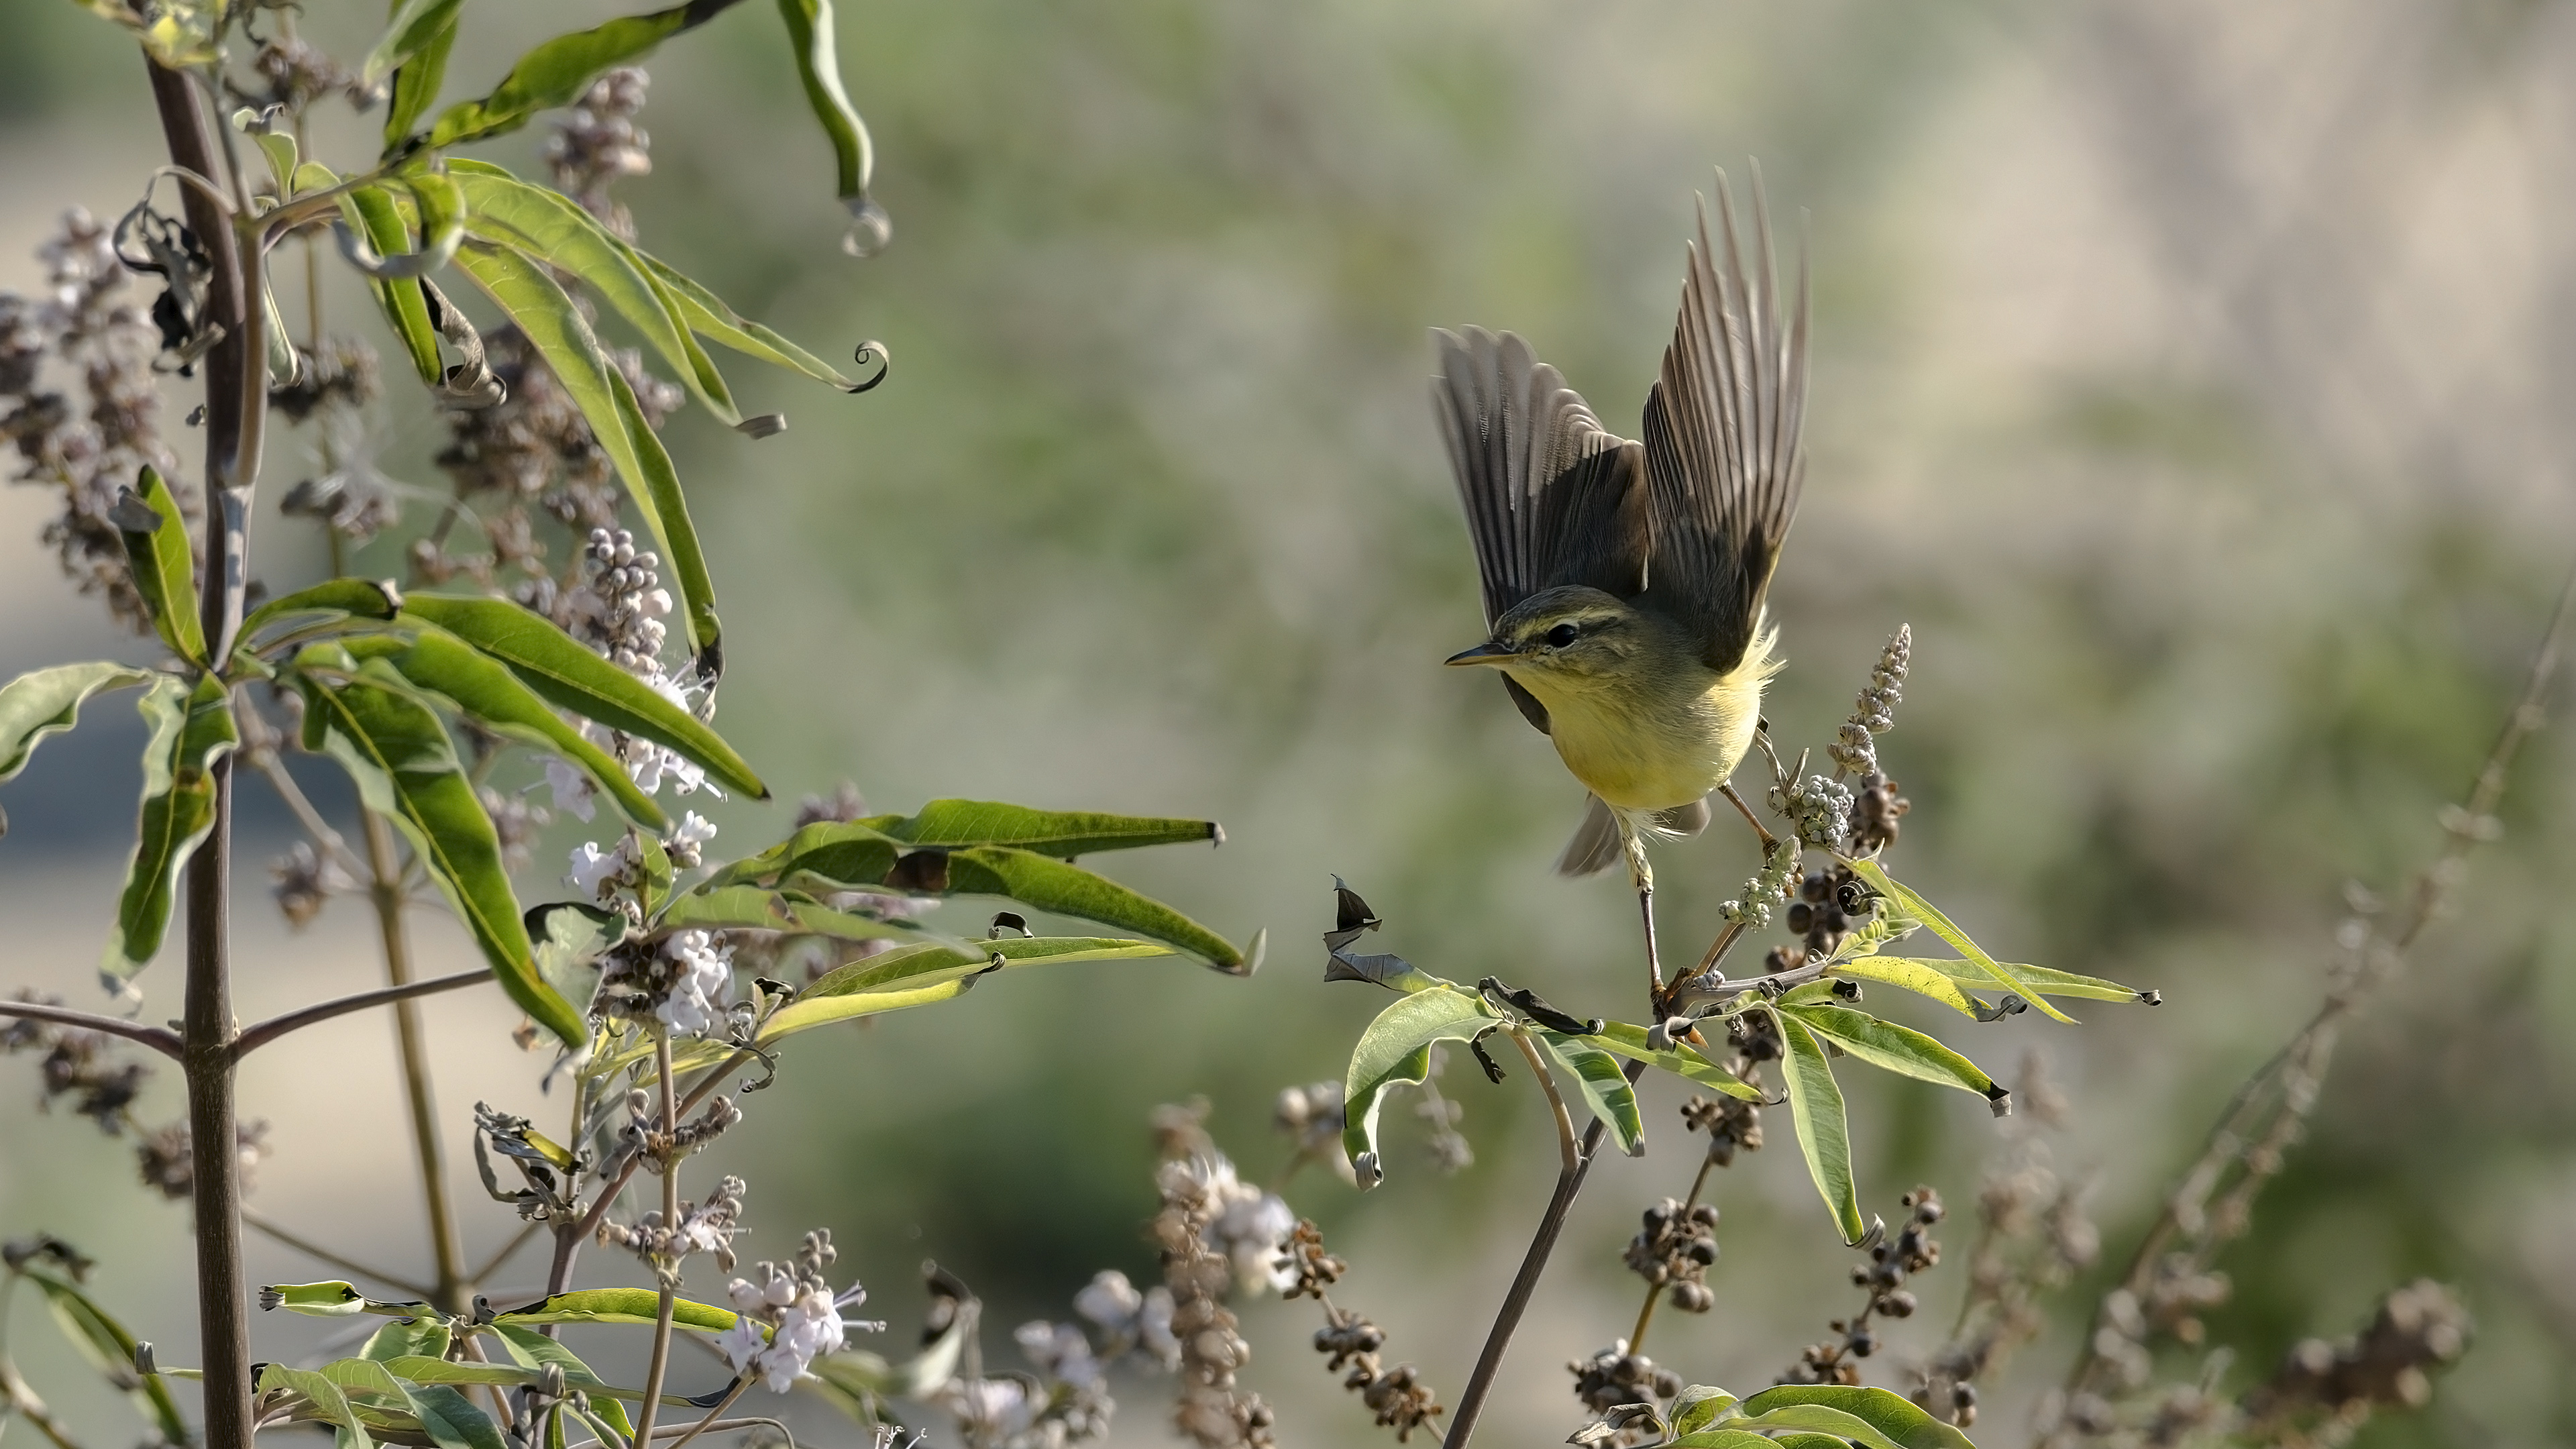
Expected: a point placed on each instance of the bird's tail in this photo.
(1597, 846)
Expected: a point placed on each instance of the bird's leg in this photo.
(1643, 875)
(1768, 839)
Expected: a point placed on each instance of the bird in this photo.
(1625, 581)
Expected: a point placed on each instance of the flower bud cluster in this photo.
(1731, 1123)
(1875, 813)
(1892, 1260)
(620, 603)
(1213, 1228)
(1855, 748)
(1820, 809)
(2417, 1328)
(705, 1227)
(1674, 1250)
(1397, 1396)
(598, 143)
(1615, 1376)
(1307, 1267)
(297, 75)
(1752, 906)
(797, 1306)
(1828, 902)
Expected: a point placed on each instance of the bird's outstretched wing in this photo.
(1723, 461)
(1552, 497)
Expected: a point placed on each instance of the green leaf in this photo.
(422, 1337)
(818, 64)
(1903, 1050)
(753, 908)
(333, 1298)
(165, 569)
(1396, 1049)
(709, 317)
(1922, 977)
(568, 938)
(533, 1350)
(556, 71)
(484, 688)
(45, 702)
(929, 971)
(376, 599)
(452, 1420)
(442, 215)
(415, 27)
(616, 1305)
(1621, 1039)
(1605, 1088)
(1830, 1424)
(1063, 834)
(329, 1404)
(405, 769)
(1914, 905)
(191, 728)
(1890, 1415)
(563, 671)
(1824, 1136)
(555, 326)
(851, 852)
(276, 147)
(2049, 982)
(1069, 890)
(442, 1372)
(550, 227)
(416, 78)
(370, 212)
(1721, 1439)
(109, 1348)
(1697, 1407)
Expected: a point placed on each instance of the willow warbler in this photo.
(1624, 581)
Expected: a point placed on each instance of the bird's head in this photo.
(1569, 636)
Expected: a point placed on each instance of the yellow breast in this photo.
(1650, 748)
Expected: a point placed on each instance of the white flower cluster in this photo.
(596, 872)
(701, 983)
(1249, 1226)
(800, 1311)
(1127, 1316)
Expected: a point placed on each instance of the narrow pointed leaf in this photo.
(928, 971)
(1824, 1135)
(708, 316)
(1913, 904)
(416, 78)
(1721, 1439)
(1899, 1049)
(1063, 834)
(1821, 1421)
(405, 769)
(556, 71)
(755, 908)
(370, 212)
(1395, 1049)
(616, 1305)
(488, 691)
(818, 64)
(376, 599)
(2048, 982)
(442, 1372)
(329, 1404)
(552, 228)
(1892, 1415)
(1697, 1407)
(1621, 1039)
(335, 1298)
(416, 25)
(1069, 890)
(44, 702)
(1922, 977)
(452, 1420)
(165, 569)
(98, 1337)
(441, 207)
(563, 671)
(563, 337)
(190, 728)
(423, 1337)
(851, 851)
(1605, 1088)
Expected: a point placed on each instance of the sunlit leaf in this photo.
(327, 1403)
(615, 1305)
(1063, 834)
(1912, 904)
(556, 71)
(1721, 1439)
(1923, 977)
(568, 939)
(1891, 1415)
(335, 1298)
(1824, 1136)
(756, 908)
(442, 216)
(1396, 1049)
(416, 25)
(44, 702)
(190, 728)
(339, 598)
(818, 64)
(708, 316)
(109, 1348)
(1605, 1088)
(1621, 1039)
(405, 768)
(165, 570)
(1903, 1050)
(928, 971)
(567, 674)
(556, 328)
(370, 212)
(533, 1350)
(1697, 1407)
(422, 1337)
(2049, 982)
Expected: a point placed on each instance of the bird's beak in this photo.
(1485, 653)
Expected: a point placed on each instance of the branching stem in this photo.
(317, 1252)
(160, 1039)
(278, 1026)
(661, 1360)
(1569, 1154)
(385, 889)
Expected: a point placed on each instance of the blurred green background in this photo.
(2192, 376)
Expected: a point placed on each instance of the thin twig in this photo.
(341, 1261)
(412, 1047)
(1655, 1292)
(274, 769)
(661, 1360)
(160, 1039)
(1570, 1156)
(278, 1026)
(1489, 1363)
(741, 1382)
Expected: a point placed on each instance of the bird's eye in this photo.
(1562, 635)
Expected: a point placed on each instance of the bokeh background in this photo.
(2193, 377)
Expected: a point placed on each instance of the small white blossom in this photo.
(572, 789)
(593, 867)
(701, 987)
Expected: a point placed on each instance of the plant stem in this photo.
(316, 1251)
(1570, 1156)
(1569, 1181)
(740, 1383)
(160, 1039)
(386, 891)
(661, 1361)
(236, 403)
(321, 1011)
